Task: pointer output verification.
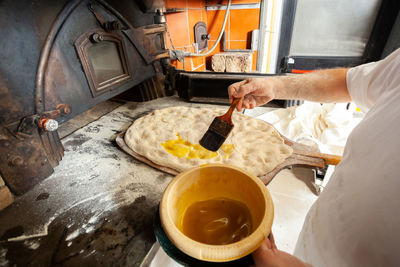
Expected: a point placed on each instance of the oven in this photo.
(59, 59)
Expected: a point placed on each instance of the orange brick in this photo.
(194, 17)
(224, 2)
(197, 62)
(175, 3)
(178, 28)
(215, 19)
(204, 16)
(238, 45)
(254, 67)
(196, 4)
(243, 21)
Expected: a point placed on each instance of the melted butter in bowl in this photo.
(217, 221)
(184, 149)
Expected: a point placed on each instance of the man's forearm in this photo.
(319, 86)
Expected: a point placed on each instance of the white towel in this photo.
(325, 126)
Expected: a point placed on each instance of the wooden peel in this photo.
(303, 155)
(304, 150)
(328, 158)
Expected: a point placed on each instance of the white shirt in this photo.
(356, 220)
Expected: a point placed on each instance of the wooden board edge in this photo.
(293, 160)
(121, 143)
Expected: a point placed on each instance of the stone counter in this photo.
(97, 208)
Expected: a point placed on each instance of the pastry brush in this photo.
(219, 129)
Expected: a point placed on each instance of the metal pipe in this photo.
(45, 53)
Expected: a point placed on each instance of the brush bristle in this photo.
(212, 141)
(216, 134)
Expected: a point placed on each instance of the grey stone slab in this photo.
(96, 208)
(87, 117)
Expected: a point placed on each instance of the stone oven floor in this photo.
(98, 206)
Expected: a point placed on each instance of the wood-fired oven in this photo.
(60, 58)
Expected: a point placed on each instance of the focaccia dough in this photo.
(258, 147)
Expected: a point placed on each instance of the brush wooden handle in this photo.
(227, 117)
(308, 151)
(328, 158)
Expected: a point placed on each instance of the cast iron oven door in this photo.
(103, 58)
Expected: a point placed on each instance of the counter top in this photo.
(97, 208)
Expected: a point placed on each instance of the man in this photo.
(356, 220)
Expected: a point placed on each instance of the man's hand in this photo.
(255, 92)
(268, 255)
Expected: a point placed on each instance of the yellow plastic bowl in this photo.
(215, 181)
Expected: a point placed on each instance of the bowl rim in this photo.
(217, 253)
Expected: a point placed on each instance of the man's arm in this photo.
(319, 86)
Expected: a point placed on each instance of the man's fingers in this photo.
(244, 89)
(241, 88)
(239, 107)
(272, 240)
(249, 102)
(263, 255)
(234, 88)
(252, 102)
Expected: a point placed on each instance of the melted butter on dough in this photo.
(227, 149)
(184, 149)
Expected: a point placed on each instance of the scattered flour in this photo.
(93, 219)
(3, 259)
(32, 244)
(89, 229)
(92, 252)
(73, 235)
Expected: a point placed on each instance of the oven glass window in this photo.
(106, 61)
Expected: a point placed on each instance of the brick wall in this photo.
(242, 20)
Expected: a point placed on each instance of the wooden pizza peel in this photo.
(303, 155)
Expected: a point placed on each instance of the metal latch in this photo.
(201, 36)
(321, 177)
(108, 26)
(45, 121)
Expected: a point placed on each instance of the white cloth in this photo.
(325, 126)
(356, 220)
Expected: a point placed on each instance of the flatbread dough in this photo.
(258, 147)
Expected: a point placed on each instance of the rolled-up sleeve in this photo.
(367, 82)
